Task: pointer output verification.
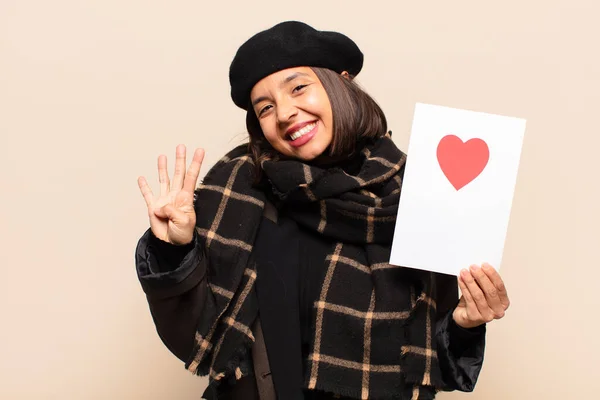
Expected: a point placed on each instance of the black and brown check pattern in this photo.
(373, 327)
(361, 317)
(231, 306)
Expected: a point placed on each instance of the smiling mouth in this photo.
(301, 132)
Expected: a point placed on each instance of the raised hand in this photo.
(171, 213)
(484, 297)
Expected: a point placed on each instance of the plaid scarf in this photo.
(387, 343)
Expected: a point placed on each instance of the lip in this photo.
(301, 141)
(297, 127)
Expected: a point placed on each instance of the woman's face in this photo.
(294, 112)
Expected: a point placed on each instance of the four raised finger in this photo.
(182, 178)
(191, 176)
(163, 175)
(146, 190)
(180, 154)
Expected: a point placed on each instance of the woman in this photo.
(272, 277)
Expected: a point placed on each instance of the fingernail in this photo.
(474, 268)
(464, 273)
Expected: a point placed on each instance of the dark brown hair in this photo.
(356, 119)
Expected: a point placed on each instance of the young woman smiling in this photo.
(271, 277)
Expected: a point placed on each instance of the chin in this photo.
(313, 151)
(311, 154)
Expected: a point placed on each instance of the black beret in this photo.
(286, 45)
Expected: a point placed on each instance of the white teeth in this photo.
(301, 132)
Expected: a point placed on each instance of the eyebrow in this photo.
(286, 80)
(293, 76)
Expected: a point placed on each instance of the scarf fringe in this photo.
(432, 378)
(236, 368)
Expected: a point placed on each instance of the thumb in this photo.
(172, 213)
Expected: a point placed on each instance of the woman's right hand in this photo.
(172, 215)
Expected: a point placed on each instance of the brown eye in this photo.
(299, 87)
(263, 110)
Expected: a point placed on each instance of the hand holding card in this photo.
(484, 297)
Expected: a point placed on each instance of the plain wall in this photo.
(91, 92)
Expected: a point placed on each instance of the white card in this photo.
(457, 191)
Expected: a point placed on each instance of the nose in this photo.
(286, 109)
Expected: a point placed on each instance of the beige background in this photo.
(91, 92)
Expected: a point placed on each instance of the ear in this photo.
(346, 75)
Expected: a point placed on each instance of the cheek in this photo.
(319, 105)
(269, 129)
(317, 102)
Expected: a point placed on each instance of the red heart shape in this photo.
(460, 161)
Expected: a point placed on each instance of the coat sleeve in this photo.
(174, 281)
(460, 351)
